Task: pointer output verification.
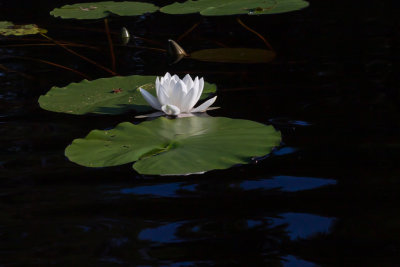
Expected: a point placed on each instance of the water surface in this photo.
(328, 196)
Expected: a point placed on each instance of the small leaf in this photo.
(8, 28)
(176, 147)
(234, 55)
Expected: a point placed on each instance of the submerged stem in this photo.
(110, 43)
(256, 33)
(148, 48)
(53, 64)
(79, 55)
(2, 67)
(188, 31)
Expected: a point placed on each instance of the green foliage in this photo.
(5, 24)
(234, 7)
(97, 10)
(9, 28)
(234, 55)
(114, 95)
(176, 146)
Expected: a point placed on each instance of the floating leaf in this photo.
(114, 95)
(9, 28)
(5, 24)
(176, 146)
(233, 7)
(97, 10)
(234, 55)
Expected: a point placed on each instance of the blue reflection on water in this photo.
(285, 122)
(287, 183)
(159, 190)
(292, 261)
(195, 229)
(253, 223)
(300, 123)
(284, 151)
(303, 225)
(162, 234)
(183, 263)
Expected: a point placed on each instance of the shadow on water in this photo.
(328, 196)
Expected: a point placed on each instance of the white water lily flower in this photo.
(177, 97)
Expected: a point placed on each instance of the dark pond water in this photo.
(328, 195)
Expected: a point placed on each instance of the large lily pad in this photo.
(114, 95)
(233, 7)
(97, 10)
(176, 146)
(234, 55)
(9, 28)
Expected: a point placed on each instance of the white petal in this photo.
(150, 99)
(171, 110)
(178, 94)
(203, 107)
(198, 84)
(212, 108)
(195, 83)
(170, 86)
(158, 85)
(163, 97)
(188, 81)
(189, 101)
(201, 87)
(175, 77)
(165, 79)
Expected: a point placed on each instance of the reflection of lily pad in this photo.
(233, 7)
(178, 146)
(114, 95)
(9, 28)
(97, 10)
(234, 55)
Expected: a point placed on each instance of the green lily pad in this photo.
(234, 7)
(97, 10)
(9, 28)
(234, 55)
(114, 95)
(176, 146)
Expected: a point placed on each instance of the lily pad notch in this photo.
(176, 146)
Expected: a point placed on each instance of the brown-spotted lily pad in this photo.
(8, 28)
(97, 10)
(115, 95)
